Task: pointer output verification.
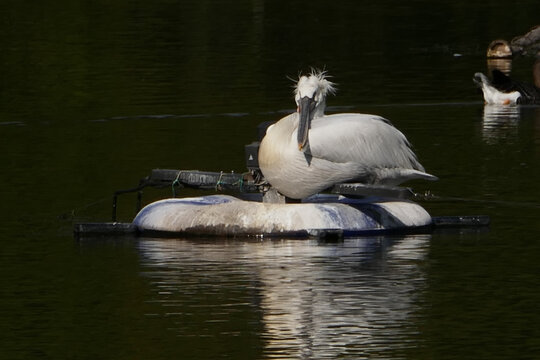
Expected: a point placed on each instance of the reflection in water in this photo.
(313, 300)
(504, 65)
(500, 122)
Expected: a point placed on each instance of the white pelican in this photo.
(307, 152)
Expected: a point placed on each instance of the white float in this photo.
(226, 215)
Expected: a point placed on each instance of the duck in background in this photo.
(503, 90)
(526, 44)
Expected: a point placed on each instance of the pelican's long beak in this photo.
(305, 108)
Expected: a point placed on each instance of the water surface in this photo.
(94, 96)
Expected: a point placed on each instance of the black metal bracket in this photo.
(195, 179)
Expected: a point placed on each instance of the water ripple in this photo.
(500, 122)
(304, 299)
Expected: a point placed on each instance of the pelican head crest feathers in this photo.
(310, 96)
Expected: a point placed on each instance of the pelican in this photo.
(307, 152)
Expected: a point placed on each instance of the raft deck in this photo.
(250, 184)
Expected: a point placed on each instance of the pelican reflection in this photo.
(309, 300)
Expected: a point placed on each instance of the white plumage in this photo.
(494, 96)
(307, 152)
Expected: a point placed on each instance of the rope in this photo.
(71, 214)
(176, 182)
(218, 183)
(240, 182)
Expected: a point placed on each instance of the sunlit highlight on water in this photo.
(314, 300)
(500, 122)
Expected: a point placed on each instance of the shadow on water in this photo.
(307, 299)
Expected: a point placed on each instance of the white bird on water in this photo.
(307, 152)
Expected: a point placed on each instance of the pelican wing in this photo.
(364, 139)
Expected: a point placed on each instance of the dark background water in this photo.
(94, 95)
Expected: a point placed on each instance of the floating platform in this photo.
(321, 216)
(226, 215)
(345, 210)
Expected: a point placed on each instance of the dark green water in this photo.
(93, 96)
